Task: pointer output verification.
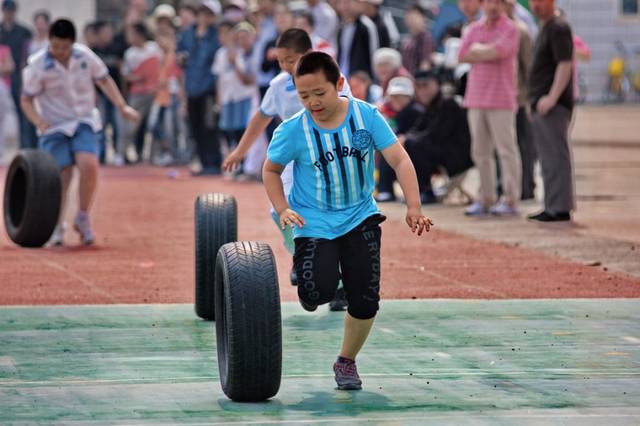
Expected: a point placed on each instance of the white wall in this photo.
(599, 23)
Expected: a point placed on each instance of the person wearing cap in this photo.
(440, 136)
(357, 38)
(197, 47)
(163, 19)
(59, 98)
(18, 38)
(235, 11)
(401, 111)
(387, 64)
(490, 45)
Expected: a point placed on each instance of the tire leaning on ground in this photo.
(216, 223)
(248, 322)
(32, 198)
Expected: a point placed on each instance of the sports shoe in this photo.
(502, 209)
(385, 197)
(346, 372)
(118, 160)
(548, 217)
(82, 225)
(476, 209)
(308, 307)
(57, 238)
(339, 302)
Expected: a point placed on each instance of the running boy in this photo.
(281, 100)
(334, 218)
(60, 81)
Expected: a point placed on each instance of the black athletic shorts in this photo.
(318, 263)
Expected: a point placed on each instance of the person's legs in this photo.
(482, 149)
(88, 167)
(85, 145)
(59, 146)
(502, 128)
(360, 263)
(551, 138)
(527, 153)
(204, 133)
(316, 265)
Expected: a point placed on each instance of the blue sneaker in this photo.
(476, 209)
(503, 209)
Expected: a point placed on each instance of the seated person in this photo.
(401, 111)
(363, 88)
(440, 136)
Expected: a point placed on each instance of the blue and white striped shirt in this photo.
(333, 169)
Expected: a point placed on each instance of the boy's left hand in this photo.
(417, 221)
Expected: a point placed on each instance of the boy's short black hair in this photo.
(295, 39)
(64, 29)
(313, 62)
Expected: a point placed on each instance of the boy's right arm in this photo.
(257, 125)
(29, 110)
(273, 185)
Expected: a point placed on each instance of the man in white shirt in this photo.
(59, 99)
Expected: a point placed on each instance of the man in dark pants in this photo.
(17, 38)
(197, 47)
(551, 97)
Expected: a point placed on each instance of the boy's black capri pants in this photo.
(318, 263)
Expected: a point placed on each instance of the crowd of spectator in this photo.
(481, 94)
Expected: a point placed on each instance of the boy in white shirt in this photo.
(59, 99)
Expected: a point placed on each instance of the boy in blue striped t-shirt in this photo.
(331, 209)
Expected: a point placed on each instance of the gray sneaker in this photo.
(82, 225)
(347, 377)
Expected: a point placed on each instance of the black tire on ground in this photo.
(248, 322)
(32, 198)
(216, 223)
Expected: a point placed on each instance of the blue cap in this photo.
(9, 5)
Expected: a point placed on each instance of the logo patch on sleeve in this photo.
(362, 139)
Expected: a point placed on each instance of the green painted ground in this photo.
(427, 362)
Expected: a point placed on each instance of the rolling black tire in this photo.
(216, 223)
(32, 198)
(248, 322)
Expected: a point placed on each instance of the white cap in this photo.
(386, 55)
(213, 6)
(400, 86)
(164, 11)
